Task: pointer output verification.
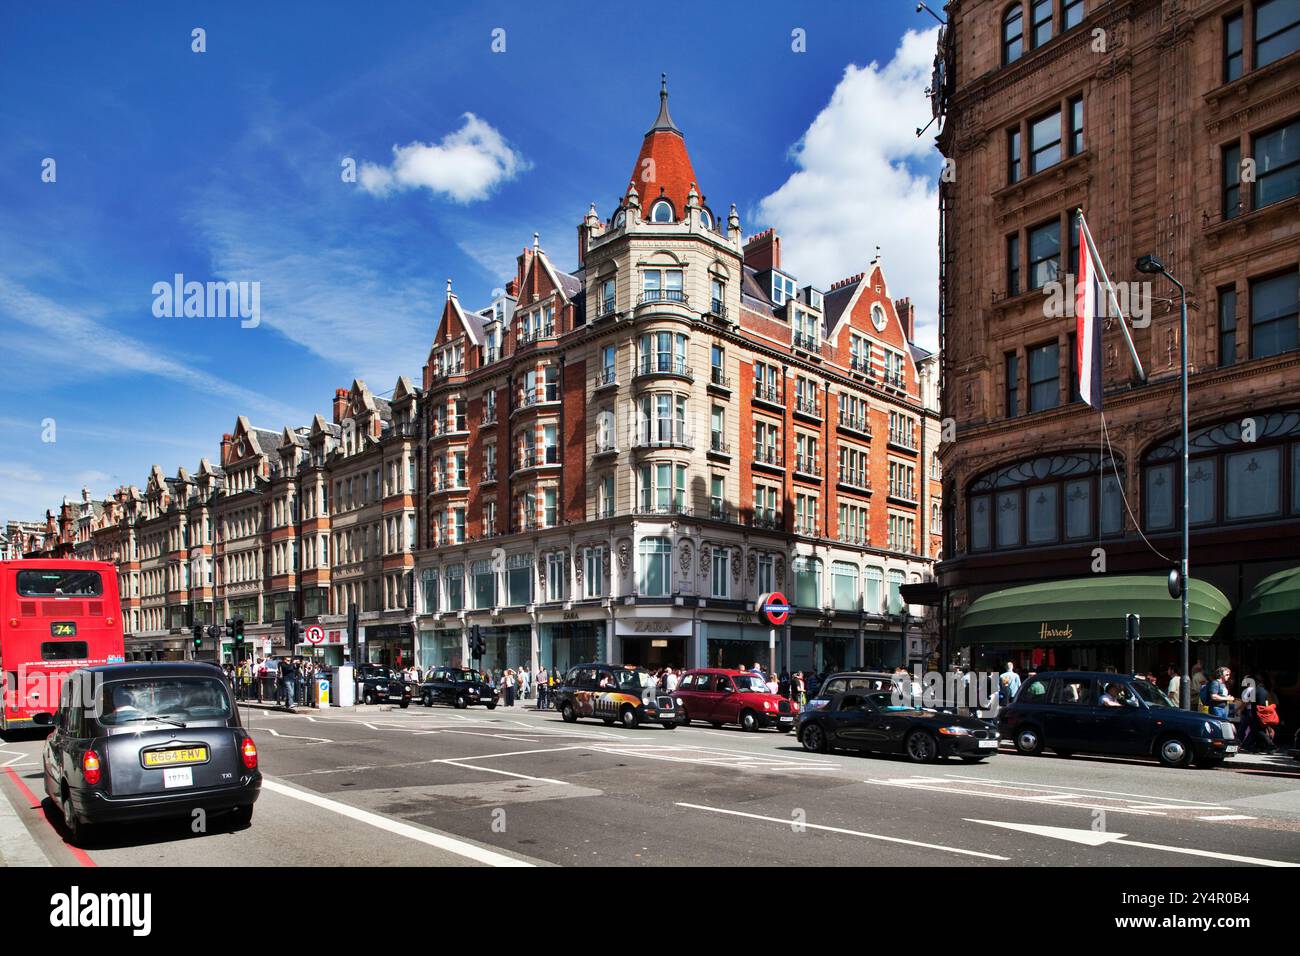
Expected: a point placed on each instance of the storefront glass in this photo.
(740, 645)
(572, 642)
(507, 647)
(440, 648)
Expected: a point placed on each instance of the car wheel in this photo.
(922, 747)
(813, 738)
(426, 700)
(242, 816)
(748, 720)
(567, 713)
(670, 725)
(1173, 751)
(369, 698)
(629, 719)
(1028, 741)
(405, 704)
(79, 834)
(461, 702)
(785, 728)
(609, 721)
(685, 718)
(492, 706)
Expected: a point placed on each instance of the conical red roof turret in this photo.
(663, 167)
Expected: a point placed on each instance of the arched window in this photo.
(661, 211)
(1237, 471)
(706, 218)
(1055, 499)
(1013, 34)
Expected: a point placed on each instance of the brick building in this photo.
(623, 457)
(1174, 126)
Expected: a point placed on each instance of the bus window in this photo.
(64, 651)
(53, 582)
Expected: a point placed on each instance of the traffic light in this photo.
(477, 646)
(198, 638)
(1133, 627)
(292, 631)
(238, 630)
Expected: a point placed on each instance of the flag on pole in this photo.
(1087, 322)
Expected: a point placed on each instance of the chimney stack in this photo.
(763, 251)
(340, 405)
(903, 307)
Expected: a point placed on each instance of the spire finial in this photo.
(537, 243)
(663, 121)
(449, 290)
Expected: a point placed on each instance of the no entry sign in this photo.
(775, 608)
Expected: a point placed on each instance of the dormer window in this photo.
(782, 288)
(661, 211)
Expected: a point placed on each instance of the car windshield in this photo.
(751, 683)
(167, 699)
(1152, 694)
(471, 676)
(632, 680)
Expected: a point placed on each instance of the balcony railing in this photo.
(806, 527)
(853, 537)
(606, 376)
(662, 295)
(490, 474)
(721, 511)
(855, 477)
(489, 417)
(768, 518)
(606, 447)
(808, 405)
(807, 465)
(809, 343)
(527, 399)
(896, 379)
(857, 423)
(664, 434)
(605, 308)
(902, 440)
(674, 507)
(718, 378)
(768, 456)
(717, 309)
(490, 355)
(767, 393)
(860, 364)
(528, 458)
(718, 444)
(664, 365)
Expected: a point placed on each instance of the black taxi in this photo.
(614, 693)
(144, 741)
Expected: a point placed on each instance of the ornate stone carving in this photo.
(735, 567)
(751, 567)
(624, 556)
(686, 557)
(577, 565)
(780, 570)
(706, 559)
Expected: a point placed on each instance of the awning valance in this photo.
(1089, 610)
(1272, 609)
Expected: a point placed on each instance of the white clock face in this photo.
(878, 317)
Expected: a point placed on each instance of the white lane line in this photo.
(858, 833)
(1228, 816)
(505, 773)
(1103, 837)
(1193, 804)
(275, 733)
(470, 851)
(950, 791)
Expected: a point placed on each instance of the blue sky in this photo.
(226, 165)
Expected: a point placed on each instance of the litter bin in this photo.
(322, 689)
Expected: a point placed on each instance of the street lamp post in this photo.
(1150, 265)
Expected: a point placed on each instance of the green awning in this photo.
(1272, 609)
(1092, 609)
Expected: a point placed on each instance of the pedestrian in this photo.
(773, 685)
(783, 685)
(259, 673)
(1216, 695)
(508, 683)
(542, 689)
(1260, 716)
(1008, 685)
(525, 682)
(1174, 684)
(799, 690)
(1198, 681)
(670, 681)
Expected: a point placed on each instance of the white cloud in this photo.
(855, 187)
(102, 348)
(466, 166)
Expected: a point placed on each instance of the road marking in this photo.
(905, 784)
(470, 851)
(1194, 804)
(275, 733)
(1096, 838)
(1228, 816)
(504, 773)
(858, 833)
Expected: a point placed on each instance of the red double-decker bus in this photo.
(55, 616)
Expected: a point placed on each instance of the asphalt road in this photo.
(469, 788)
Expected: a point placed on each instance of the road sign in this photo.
(315, 634)
(775, 608)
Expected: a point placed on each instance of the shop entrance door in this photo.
(654, 653)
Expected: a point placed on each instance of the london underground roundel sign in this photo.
(776, 608)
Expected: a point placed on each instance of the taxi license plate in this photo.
(175, 758)
(988, 743)
(1230, 749)
(787, 720)
(178, 777)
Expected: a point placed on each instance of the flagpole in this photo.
(1110, 291)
